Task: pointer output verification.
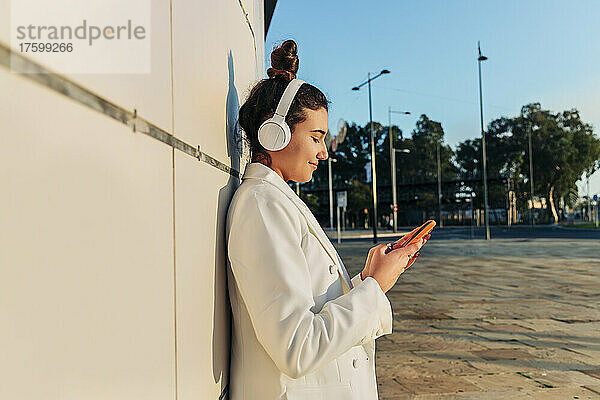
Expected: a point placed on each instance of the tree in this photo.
(564, 148)
(420, 165)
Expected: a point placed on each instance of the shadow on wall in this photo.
(222, 308)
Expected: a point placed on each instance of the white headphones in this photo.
(274, 134)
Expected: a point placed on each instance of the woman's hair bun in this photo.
(284, 61)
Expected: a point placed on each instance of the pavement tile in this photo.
(436, 384)
(414, 326)
(489, 395)
(564, 355)
(592, 328)
(405, 396)
(586, 338)
(448, 355)
(557, 353)
(388, 388)
(502, 354)
(503, 395)
(384, 359)
(469, 340)
(544, 325)
(593, 388)
(558, 365)
(440, 367)
(383, 345)
(593, 372)
(504, 327)
(505, 344)
(551, 343)
(470, 313)
(564, 378)
(432, 341)
(503, 366)
(503, 382)
(594, 354)
(564, 394)
(505, 340)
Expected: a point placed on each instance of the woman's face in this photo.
(299, 159)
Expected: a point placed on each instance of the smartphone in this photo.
(413, 236)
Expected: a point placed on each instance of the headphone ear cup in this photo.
(274, 135)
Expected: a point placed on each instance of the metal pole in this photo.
(509, 204)
(439, 179)
(589, 209)
(373, 169)
(330, 195)
(485, 190)
(339, 233)
(531, 174)
(298, 189)
(393, 160)
(472, 214)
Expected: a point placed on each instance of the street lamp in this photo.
(373, 173)
(485, 190)
(393, 162)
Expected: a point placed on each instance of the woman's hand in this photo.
(387, 268)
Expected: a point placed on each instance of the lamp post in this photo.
(589, 204)
(531, 175)
(393, 162)
(373, 170)
(485, 190)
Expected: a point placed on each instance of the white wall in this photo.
(112, 270)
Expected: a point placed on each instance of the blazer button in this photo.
(355, 363)
(332, 269)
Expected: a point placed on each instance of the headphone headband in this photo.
(288, 96)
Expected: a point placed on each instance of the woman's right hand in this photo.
(387, 268)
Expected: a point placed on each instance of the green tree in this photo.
(564, 148)
(420, 165)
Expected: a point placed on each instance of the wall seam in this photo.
(249, 26)
(171, 77)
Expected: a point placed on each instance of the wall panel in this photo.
(86, 283)
(112, 258)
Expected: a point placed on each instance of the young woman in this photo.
(302, 329)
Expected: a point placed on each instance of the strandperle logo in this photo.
(82, 37)
(84, 31)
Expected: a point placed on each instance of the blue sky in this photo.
(539, 51)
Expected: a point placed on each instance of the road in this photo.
(496, 232)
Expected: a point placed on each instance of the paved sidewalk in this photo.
(506, 319)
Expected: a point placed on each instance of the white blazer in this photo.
(300, 331)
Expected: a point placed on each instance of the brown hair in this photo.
(265, 95)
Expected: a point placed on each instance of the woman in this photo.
(302, 329)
